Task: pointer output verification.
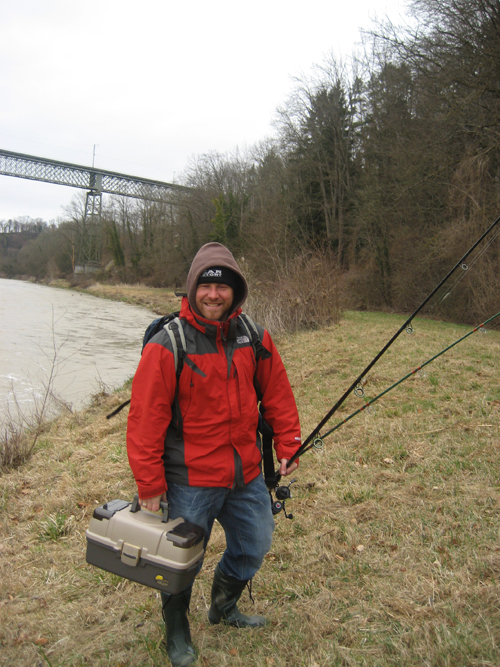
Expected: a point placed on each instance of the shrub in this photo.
(306, 295)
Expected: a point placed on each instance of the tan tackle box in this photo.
(143, 546)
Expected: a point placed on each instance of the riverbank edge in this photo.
(160, 300)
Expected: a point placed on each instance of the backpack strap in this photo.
(265, 429)
(156, 326)
(253, 334)
(178, 340)
(258, 348)
(270, 477)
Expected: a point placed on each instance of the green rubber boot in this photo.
(226, 591)
(179, 647)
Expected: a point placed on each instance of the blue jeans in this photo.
(244, 514)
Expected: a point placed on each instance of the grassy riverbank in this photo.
(392, 557)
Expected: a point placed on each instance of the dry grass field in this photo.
(392, 557)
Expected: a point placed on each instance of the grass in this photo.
(54, 527)
(392, 557)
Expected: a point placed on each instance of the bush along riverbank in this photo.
(392, 556)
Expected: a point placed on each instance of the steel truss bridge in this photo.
(96, 182)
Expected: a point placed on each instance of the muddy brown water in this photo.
(84, 342)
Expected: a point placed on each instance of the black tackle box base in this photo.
(145, 547)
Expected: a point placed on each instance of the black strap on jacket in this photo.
(266, 431)
(179, 365)
(270, 477)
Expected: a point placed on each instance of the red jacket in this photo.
(219, 445)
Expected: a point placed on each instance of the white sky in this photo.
(153, 83)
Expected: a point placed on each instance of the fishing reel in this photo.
(283, 493)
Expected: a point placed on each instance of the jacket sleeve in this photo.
(153, 391)
(278, 402)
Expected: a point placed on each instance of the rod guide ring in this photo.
(359, 391)
(318, 442)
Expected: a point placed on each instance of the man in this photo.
(208, 466)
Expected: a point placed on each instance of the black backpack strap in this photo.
(253, 334)
(176, 334)
(265, 429)
(258, 348)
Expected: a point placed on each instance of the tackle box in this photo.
(143, 546)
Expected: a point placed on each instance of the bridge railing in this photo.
(87, 178)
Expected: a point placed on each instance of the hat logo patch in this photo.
(210, 273)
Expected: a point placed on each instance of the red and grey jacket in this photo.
(218, 445)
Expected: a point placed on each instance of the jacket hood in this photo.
(215, 254)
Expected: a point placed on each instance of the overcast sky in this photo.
(152, 84)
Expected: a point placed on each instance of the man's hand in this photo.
(152, 504)
(287, 471)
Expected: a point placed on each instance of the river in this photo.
(84, 342)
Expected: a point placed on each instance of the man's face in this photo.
(214, 300)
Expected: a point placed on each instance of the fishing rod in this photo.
(313, 439)
(283, 492)
(408, 375)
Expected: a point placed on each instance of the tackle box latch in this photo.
(131, 554)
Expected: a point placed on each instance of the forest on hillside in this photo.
(378, 177)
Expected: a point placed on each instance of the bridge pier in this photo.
(95, 181)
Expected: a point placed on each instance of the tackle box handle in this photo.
(165, 507)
